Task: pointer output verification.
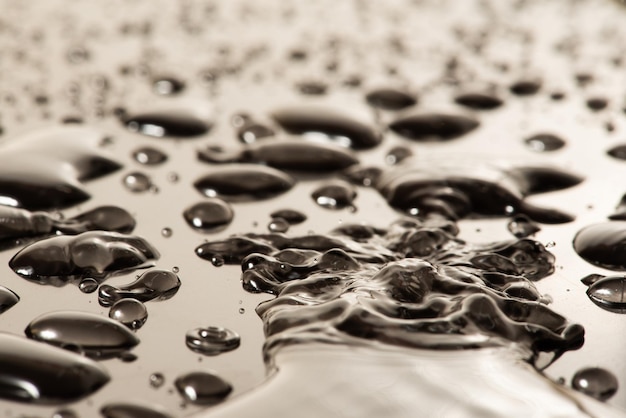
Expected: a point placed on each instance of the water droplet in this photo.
(134, 410)
(363, 176)
(88, 285)
(166, 232)
(77, 54)
(521, 226)
(242, 311)
(312, 88)
(603, 245)
(250, 132)
(212, 340)
(202, 388)
(175, 269)
(57, 260)
(597, 103)
(95, 335)
(433, 126)
(293, 217)
(390, 99)
(167, 85)
(129, 312)
(157, 380)
(336, 195)
(244, 182)
(618, 152)
(596, 382)
(173, 177)
(278, 225)
(327, 124)
(149, 156)
(609, 293)
(544, 142)
(65, 413)
(525, 87)
(174, 122)
(137, 182)
(152, 285)
(557, 96)
(478, 101)
(209, 215)
(398, 154)
(105, 218)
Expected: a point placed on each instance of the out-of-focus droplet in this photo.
(544, 142)
(596, 382)
(149, 156)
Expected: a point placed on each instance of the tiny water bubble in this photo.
(166, 232)
(242, 311)
(156, 380)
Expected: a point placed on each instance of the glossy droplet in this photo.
(596, 382)
(96, 254)
(609, 293)
(521, 226)
(244, 182)
(202, 388)
(8, 299)
(242, 311)
(149, 156)
(167, 85)
(620, 210)
(278, 225)
(390, 99)
(433, 126)
(88, 285)
(137, 182)
(603, 245)
(544, 142)
(133, 410)
(293, 217)
(175, 122)
(157, 380)
(250, 132)
(597, 103)
(478, 101)
(337, 195)
(105, 218)
(209, 215)
(618, 152)
(166, 232)
(154, 284)
(327, 124)
(362, 176)
(211, 341)
(42, 374)
(129, 312)
(398, 154)
(525, 87)
(92, 334)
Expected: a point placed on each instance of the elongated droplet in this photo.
(609, 293)
(129, 312)
(149, 156)
(478, 101)
(398, 154)
(212, 340)
(133, 410)
(154, 284)
(8, 299)
(42, 374)
(250, 132)
(544, 142)
(525, 87)
(209, 215)
(433, 126)
(328, 124)
(106, 218)
(202, 388)
(603, 245)
(390, 99)
(596, 382)
(293, 217)
(97, 336)
(244, 182)
(175, 122)
(336, 195)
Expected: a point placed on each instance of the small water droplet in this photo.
(88, 285)
(209, 215)
(175, 269)
(596, 382)
(242, 311)
(173, 177)
(597, 103)
(336, 195)
(202, 388)
(137, 182)
(433, 126)
(525, 87)
(167, 85)
(156, 380)
(166, 232)
(278, 225)
(134, 410)
(65, 413)
(398, 154)
(149, 156)
(77, 54)
(212, 340)
(544, 142)
(521, 226)
(293, 217)
(478, 100)
(390, 99)
(129, 312)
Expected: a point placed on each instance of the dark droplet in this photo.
(603, 245)
(212, 341)
(525, 87)
(597, 103)
(152, 285)
(128, 410)
(433, 126)
(336, 195)
(105, 218)
(544, 142)
(96, 254)
(137, 182)
(149, 156)
(390, 99)
(95, 335)
(174, 122)
(244, 182)
(167, 85)
(129, 312)
(278, 225)
(618, 152)
(42, 374)
(521, 226)
(8, 299)
(202, 388)
(596, 382)
(609, 293)
(328, 124)
(209, 215)
(478, 101)
(620, 210)
(292, 216)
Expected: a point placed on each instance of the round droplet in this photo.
(137, 182)
(544, 142)
(88, 285)
(129, 312)
(212, 340)
(173, 177)
(157, 380)
(166, 232)
(202, 388)
(209, 215)
(278, 225)
(242, 311)
(149, 156)
(597, 103)
(609, 293)
(175, 269)
(603, 245)
(336, 195)
(167, 86)
(596, 382)
(293, 217)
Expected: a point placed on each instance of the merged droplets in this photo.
(8, 299)
(94, 335)
(149, 156)
(390, 99)
(212, 340)
(202, 388)
(209, 215)
(544, 142)
(603, 245)
(133, 410)
(433, 126)
(335, 195)
(137, 182)
(596, 382)
(154, 284)
(609, 293)
(130, 312)
(42, 374)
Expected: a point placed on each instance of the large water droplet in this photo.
(137, 182)
(433, 126)
(95, 335)
(149, 156)
(336, 195)
(603, 244)
(209, 215)
(154, 284)
(212, 341)
(202, 388)
(327, 124)
(390, 99)
(8, 299)
(544, 142)
(173, 122)
(39, 373)
(133, 410)
(244, 182)
(609, 293)
(596, 382)
(129, 312)
(478, 101)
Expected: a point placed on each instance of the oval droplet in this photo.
(618, 152)
(105, 218)
(398, 154)
(544, 142)
(149, 156)
(603, 244)
(293, 217)
(130, 312)
(157, 380)
(95, 335)
(278, 225)
(433, 126)
(88, 285)
(134, 410)
(596, 382)
(478, 101)
(336, 195)
(525, 87)
(390, 99)
(609, 293)
(154, 284)
(202, 388)
(209, 215)
(250, 132)
(167, 85)
(597, 103)
(174, 122)
(212, 341)
(137, 182)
